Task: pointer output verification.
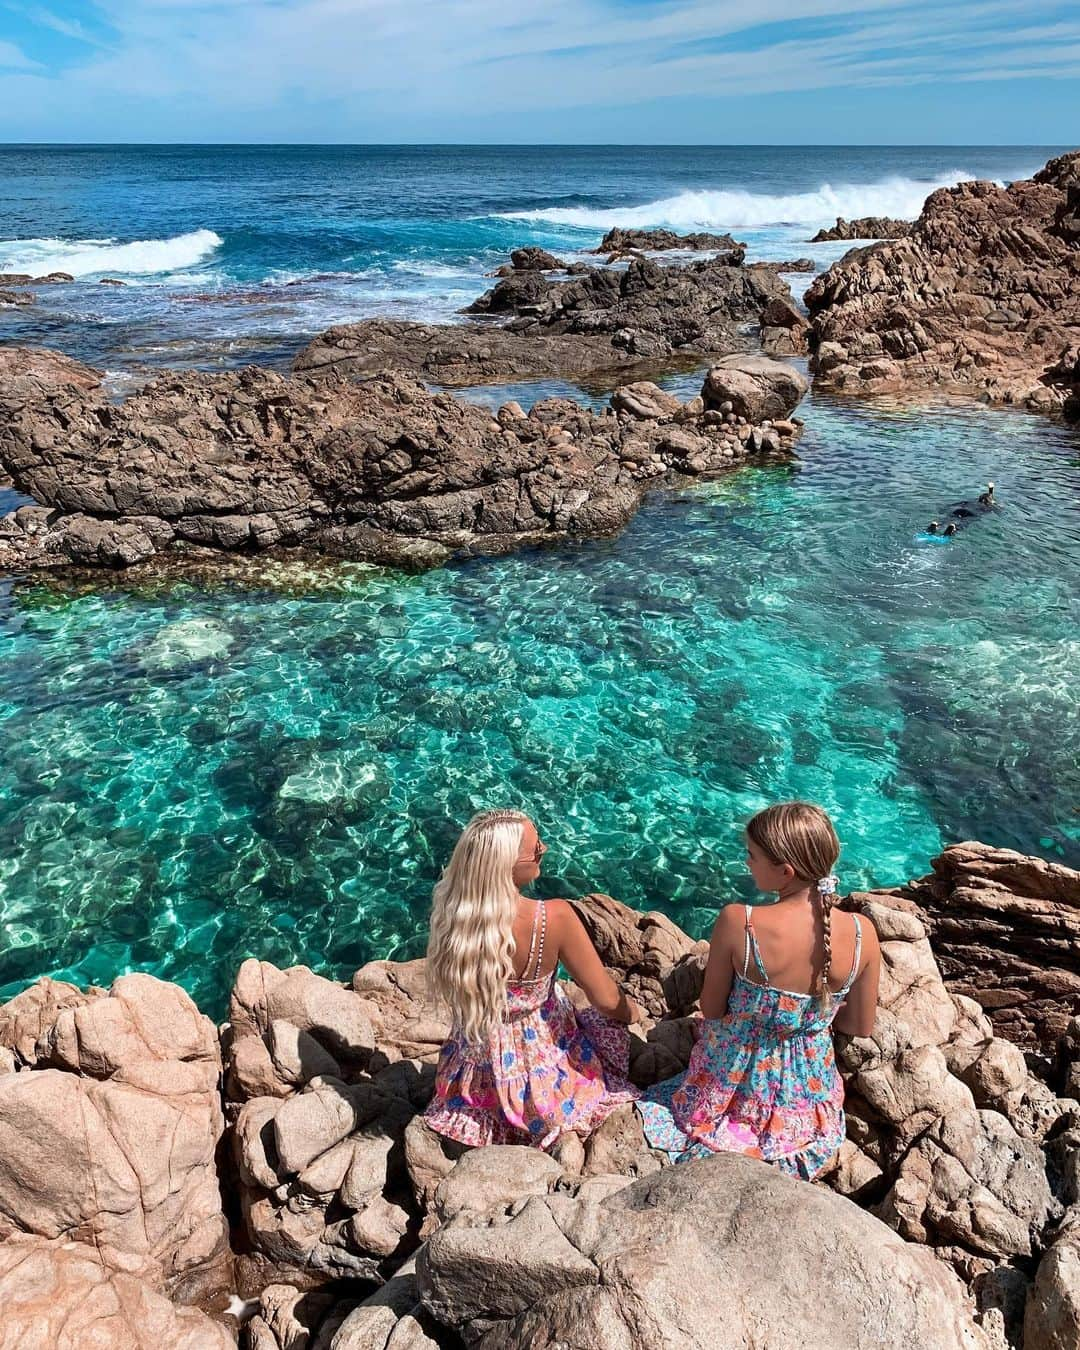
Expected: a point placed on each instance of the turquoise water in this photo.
(192, 777)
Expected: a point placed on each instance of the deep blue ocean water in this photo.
(193, 774)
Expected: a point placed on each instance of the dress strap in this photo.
(855, 962)
(542, 917)
(532, 941)
(751, 946)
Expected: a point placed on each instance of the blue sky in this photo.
(661, 71)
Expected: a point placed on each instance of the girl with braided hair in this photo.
(522, 1066)
(762, 1078)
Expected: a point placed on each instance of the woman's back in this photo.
(791, 940)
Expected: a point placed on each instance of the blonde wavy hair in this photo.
(802, 835)
(470, 953)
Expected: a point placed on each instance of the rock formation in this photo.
(649, 310)
(359, 1228)
(982, 297)
(109, 1127)
(379, 469)
(864, 227)
(1006, 932)
(59, 1296)
(619, 240)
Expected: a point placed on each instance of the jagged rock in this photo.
(407, 1025)
(1052, 1315)
(1014, 920)
(639, 1267)
(117, 1142)
(59, 1296)
(31, 372)
(620, 240)
(971, 1179)
(643, 948)
(864, 227)
(16, 299)
(382, 470)
(649, 310)
(645, 401)
(24, 279)
(756, 387)
(980, 297)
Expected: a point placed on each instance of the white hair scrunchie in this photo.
(827, 885)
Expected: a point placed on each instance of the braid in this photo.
(826, 893)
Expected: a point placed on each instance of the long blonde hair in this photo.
(802, 835)
(470, 953)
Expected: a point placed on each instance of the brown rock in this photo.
(864, 227)
(980, 297)
(59, 1296)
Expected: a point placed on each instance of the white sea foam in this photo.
(732, 209)
(88, 257)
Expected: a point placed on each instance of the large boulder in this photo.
(1052, 1315)
(677, 1259)
(864, 227)
(108, 1131)
(980, 297)
(755, 387)
(59, 1296)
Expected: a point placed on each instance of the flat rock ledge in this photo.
(378, 469)
(950, 1219)
(981, 298)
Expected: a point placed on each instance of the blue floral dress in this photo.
(762, 1080)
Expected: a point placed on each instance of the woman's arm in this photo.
(719, 972)
(579, 956)
(858, 1010)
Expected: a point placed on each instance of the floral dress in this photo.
(546, 1070)
(762, 1080)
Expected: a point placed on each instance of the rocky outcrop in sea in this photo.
(378, 469)
(864, 227)
(139, 1198)
(982, 297)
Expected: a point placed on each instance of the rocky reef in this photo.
(305, 1199)
(863, 227)
(982, 297)
(378, 469)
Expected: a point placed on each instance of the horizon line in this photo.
(534, 145)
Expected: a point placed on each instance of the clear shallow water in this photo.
(238, 254)
(194, 777)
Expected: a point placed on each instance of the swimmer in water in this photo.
(932, 528)
(986, 499)
(949, 529)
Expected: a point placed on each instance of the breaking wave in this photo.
(87, 257)
(899, 197)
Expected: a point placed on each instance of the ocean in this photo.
(191, 774)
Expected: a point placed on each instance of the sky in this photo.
(540, 71)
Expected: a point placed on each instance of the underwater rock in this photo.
(981, 297)
(379, 470)
(186, 642)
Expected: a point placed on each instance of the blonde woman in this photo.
(762, 1078)
(522, 1066)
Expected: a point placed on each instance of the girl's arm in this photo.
(579, 956)
(858, 1010)
(719, 972)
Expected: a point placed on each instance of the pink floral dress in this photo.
(546, 1070)
(762, 1080)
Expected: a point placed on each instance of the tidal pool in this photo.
(192, 776)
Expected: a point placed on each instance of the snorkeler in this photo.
(949, 529)
(986, 499)
(932, 528)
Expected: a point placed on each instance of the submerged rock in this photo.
(981, 297)
(379, 470)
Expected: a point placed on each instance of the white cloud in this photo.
(12, 58)
(429, 59)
